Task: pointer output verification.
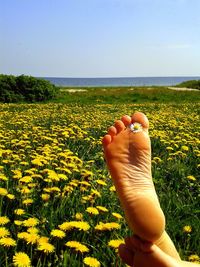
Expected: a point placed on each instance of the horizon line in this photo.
(120, 77)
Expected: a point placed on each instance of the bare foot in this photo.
(138, 253)
(128, 156)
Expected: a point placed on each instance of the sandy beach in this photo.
(182, 89)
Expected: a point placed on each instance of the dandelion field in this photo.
(58, 205)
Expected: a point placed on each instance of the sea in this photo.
(118, 81)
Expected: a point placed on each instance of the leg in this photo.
(128, 156)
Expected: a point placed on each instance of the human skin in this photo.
(128, 157)
(137, 253)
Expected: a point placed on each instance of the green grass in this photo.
(129, 95)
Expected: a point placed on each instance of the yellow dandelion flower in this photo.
(83, 189)
(53, 176)
(31, 238)
(86, 173)
(57, 233)
(54, 189)
(4, 220)
(3, 191)
(194, 258)
(92, 210)
(22, 235)
(78, 216)
(157, 159)
(87, 198)
(185, 148)
(21, 259)
(112, 188)
(4, 232)
(37, 162)
(95, 192)
(115, 243)
(45, 197)
(27, 201)
(85, 183)
(30, 172)
(169, 148)
(73, 183)
(46, 247)
(101, 208)
(187, 229)
(43, 239)
(191, 177)
(31, 222)
(25, 190)
(107, 226)
(3, 177)
(92, 262)
(10, 196)
(77, 246)
(80, 225)
(18, 223)
(68, 188)
(117, 215)
(47, 190)
(66, 170)
(169, 159)
(7, 242)
(65, 226)
(101, 182)
(33, 230)
(19, 211)
(26, 179)
(32, 185)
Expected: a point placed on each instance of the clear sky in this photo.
(100, 38)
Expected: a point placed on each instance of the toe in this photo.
(141, 118)
(107, 139)
(126, 255)
(140, 244)
(130, 244)
(126, 120)
(119, 125)
(112, 131)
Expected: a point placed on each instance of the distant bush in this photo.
(194, 84)
(25, 89)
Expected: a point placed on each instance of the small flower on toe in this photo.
(135, 127)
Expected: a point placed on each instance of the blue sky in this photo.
(100, 38)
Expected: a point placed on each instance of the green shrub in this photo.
(25, 88)
(194, 84)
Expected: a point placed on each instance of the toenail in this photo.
(135, 127)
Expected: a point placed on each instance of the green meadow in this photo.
(108, 95)
(58, 205)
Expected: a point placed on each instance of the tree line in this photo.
(25, 89)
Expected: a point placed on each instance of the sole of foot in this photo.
(128, 157)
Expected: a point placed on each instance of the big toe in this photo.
(142, 119)
(126, 255)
